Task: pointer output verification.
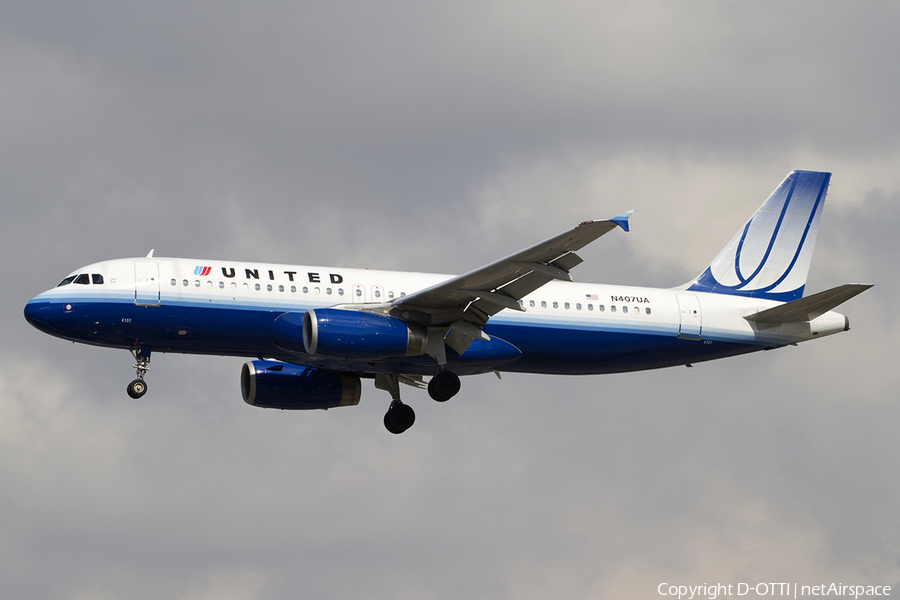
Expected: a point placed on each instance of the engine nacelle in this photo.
(269, 384)
(356, 334)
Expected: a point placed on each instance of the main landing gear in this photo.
(138, 387)
(443, 386)
(400, 417)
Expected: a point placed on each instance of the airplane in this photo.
(315, 332)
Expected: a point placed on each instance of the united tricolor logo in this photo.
(202, 271)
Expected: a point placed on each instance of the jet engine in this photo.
(350, 333)
(270, 384)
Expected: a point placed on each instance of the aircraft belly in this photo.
(201, 330)
(195, 328)
(595, 351)
(167, 328)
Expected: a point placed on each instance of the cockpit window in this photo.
(83, 279)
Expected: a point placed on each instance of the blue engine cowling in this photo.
(269, 384)
(352, 334)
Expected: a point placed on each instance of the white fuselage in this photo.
(221, 307)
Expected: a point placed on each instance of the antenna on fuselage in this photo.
(150, 254)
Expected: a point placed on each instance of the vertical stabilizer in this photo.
(769, 256)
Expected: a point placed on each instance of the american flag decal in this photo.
(591, 296)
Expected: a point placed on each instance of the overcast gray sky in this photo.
(439, 137)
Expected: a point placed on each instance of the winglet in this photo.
(622, 220)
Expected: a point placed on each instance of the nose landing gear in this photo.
(138, 387)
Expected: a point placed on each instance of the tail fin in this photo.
(769, 257)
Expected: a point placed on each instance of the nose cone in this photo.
(37, 312)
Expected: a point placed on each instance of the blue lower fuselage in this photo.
(245, 331)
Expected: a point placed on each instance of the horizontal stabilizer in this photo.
(810, 307)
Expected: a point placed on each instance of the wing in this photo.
(464, 304)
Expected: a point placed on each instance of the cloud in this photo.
(438, 138)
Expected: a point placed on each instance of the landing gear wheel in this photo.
(137, 388)
(443, 386)
(399, 418)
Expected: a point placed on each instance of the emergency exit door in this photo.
(691, 317)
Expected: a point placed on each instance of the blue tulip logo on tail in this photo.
(769, 257)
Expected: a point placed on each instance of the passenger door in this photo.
(146, 283)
